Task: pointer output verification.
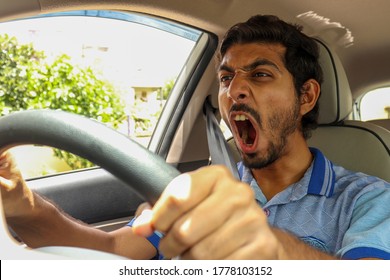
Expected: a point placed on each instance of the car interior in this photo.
(351, 51)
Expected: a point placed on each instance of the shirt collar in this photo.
(322, 177)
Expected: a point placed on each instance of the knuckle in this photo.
(220, 170)
(170, 201)
(173, 203)
(245, 191)
(198, 253)
(181, 235)
(243, 195)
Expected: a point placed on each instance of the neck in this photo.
(288, 169)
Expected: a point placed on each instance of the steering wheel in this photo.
(143, 171)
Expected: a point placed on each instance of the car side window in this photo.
(375, 104)
(117, 68)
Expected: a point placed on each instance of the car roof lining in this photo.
(232, 11)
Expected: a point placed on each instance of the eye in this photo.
(261, 74)
(225, 79)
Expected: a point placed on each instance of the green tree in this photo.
(17, 63)
(167, 88)
(28, 81)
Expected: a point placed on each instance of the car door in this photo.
(133, 72)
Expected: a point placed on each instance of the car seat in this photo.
(385, 123)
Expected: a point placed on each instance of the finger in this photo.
(262, 247)
(142, 224)
(191, 228)
(3, 154)
(7, 162)
(229, 197)
(7, 184)
(241, 228)
(4, 165)
(4, 158)
(243, 222)
(184, 193)
(142, 207)
(217, 246)
(6, 155)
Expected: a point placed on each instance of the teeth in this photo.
(240, 118)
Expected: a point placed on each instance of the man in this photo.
(284, 208)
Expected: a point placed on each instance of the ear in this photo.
(310, 92)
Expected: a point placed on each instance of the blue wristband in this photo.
(154, 239)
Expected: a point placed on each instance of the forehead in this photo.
(240, 55)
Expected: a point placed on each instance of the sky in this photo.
(126, 52)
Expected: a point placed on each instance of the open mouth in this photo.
(245, 131)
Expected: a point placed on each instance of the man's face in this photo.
(257, 100)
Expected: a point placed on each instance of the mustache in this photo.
(245, 108)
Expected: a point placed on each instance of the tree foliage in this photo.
(167, 88)
(29, 81)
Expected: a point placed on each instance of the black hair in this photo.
(301, 57)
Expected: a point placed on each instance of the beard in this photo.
(281, 124)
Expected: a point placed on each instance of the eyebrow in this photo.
(251, 66)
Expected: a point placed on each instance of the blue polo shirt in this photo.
(340, 212)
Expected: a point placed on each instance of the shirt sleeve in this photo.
(369, 233)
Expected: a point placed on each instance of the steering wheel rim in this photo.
(144, 172)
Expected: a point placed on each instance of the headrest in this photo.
(336, 98)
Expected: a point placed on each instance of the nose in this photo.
(239, 90)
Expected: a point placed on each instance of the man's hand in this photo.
(207, 214)
(17, 198)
